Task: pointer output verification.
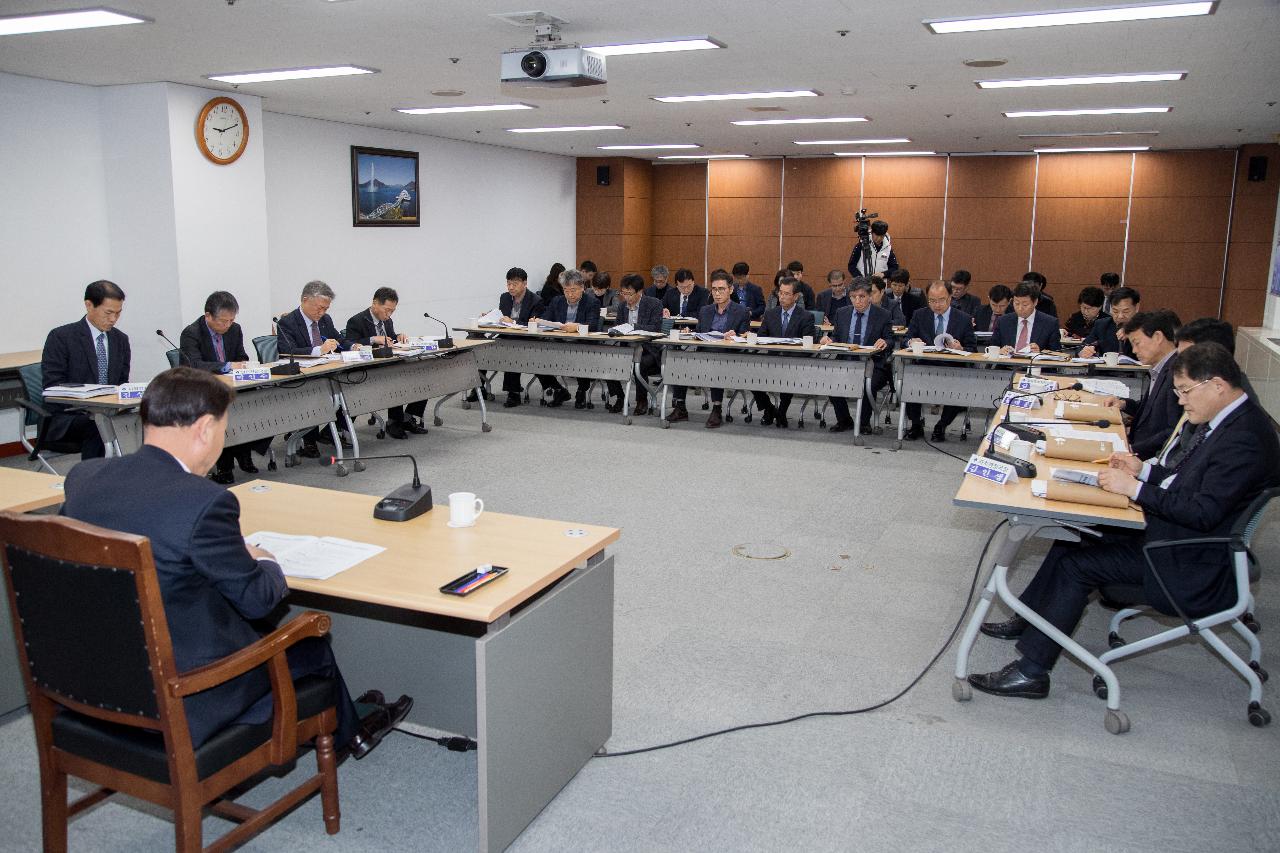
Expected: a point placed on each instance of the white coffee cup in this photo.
(464, 509)
(604, 312)
(583, 329)
(992, 352)
(533, 325)
(807, 341)
(751, 337)
(1112, 359)
(917, 347)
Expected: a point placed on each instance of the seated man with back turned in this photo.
(1202, 494)
(645, 314)
(308, 330)
(571, 309)
(373, 327)
(211, 582)
(215, 342)
(91, 351)
(722, 315)
(870, 326)
(927, 324)
(785, 320)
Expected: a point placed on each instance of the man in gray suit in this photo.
(645, 314)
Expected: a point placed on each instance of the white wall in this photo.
(485, 209)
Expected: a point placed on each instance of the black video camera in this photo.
(862, 222)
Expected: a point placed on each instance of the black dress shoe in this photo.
(247, 466)
(915, 432)
(309, 451)
(415, 426)
(395, 429)
(371, 697)
(642, 408)
(938, 435)
(1010, 629)
(767, 418)
(511, 402)
(780, 422)
(841, 426)
(376, 726)
(679, 413)
(559, 397)
(580, 401)
(714, 419)
(1011, 682)
(224, 478)
(470, 396)
(614, 408)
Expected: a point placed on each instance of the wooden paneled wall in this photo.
(1158, 218)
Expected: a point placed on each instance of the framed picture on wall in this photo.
(384, 188)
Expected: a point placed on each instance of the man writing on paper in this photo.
(1201, 494)
(727, 317)
(928, 324)
(211, 582)
(866, 325)
(1106, 334)
(1027, 329)
(374, 327)
(786, 320)
(644, 313)
(518, 305)
(308, 330)
(571, 309)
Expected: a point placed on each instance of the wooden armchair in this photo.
(106, 699)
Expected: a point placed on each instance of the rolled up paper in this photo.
(1081, 494)
(1086, 412)
(1077, 449)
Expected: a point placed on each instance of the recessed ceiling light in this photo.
(740, 96)
(1113, 111)
(886, 153)
(448, 93)
(985, 63)
(1089, 80)
(704, 157)
(760, 121)
(1064, 17)
(1089, 133)
(671, 146)
(669, 46)
(897, 141)
(291, 74)
(480, 108)
(74, 19)
(1082, 150)
(567, 129)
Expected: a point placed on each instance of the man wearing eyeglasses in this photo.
(1152, 336)
(928, 324)
(1231, 460)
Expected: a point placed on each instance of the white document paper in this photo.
(1065, 431)
(1039, 488)
(313, 557)
(760, 339)
(1114, 387)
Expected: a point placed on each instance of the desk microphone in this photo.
(181, 357)
(403, 503)
(287, 368)
(447, 340)
(1030, 434)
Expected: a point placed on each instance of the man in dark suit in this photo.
(374, 327)
(998, 299)
(960, 296)
(1105, 336)
(517, 305)
(644, 313)
(1047, 305)
(1026, 329)
(688, 298)
(909, 299)
(722, 315)
(835, 298)
(1152, 335)
(807, 298)
(786, 320)
(866, 325)
(215, 342)
(88, 352)
(571, 309)
(662, 289)
(1230, 462)
(926, 325)
(746, 293)
(211, 582)
(308, 330)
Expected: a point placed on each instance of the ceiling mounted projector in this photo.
(559, 66)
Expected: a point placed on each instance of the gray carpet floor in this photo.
(879, 568)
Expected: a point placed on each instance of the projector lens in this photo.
(534, 63)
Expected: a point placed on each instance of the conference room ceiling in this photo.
(890, 68)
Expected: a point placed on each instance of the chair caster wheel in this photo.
(466, 407)
(1251, 622)
(358, 465)
(897, 445)
(822, 423)
(488, 395)
(382, 433)
(1257, 668)
(728, 419)
(1117, 722)
(542, 402)
(799, 424)
(372, 420)
(706, 407)
(748, 418)
(486, 427)
(627, 420)
(666, 424)
(961, 691)
(1258, 715)
(342, 470)
(591, 405)
(1100, 688)
(1114, 640)
(290, 461)
(526, 397)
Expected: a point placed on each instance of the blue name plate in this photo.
(132, 390)
(990, 470)
(1030, 383)
(250, 374)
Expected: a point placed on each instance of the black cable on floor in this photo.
(973, 584)
(940, 450)
(453, 744)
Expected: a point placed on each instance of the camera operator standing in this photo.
(873, 254)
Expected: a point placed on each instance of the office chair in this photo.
(173, 356)
(267, 348)
(35, 414)
(107, 699)
(1239, 617)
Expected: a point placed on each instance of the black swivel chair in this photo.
(35, 414)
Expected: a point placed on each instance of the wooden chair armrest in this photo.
(309, 624)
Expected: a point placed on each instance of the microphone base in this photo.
(289, 368)
(1026, 470)
(403, 504)
(1023, 432)
(444, 343)
(383, 352)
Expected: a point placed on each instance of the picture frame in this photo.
(384, 188)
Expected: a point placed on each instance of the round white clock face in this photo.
(224, 132)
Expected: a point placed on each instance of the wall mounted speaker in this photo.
(602, 174)
(1258, 168)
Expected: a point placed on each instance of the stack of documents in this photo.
(313, 557)
(80, 391)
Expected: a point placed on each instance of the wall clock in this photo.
(222, 131)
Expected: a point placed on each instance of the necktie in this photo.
(217, 347)
(102, 358)
(937, 325)
(857, 328)
(994, 319)
(786, 321)
(684, 302)
(381, 329)
(1024, 334)
(1179, 441)
(315, 334)
(1201, 433)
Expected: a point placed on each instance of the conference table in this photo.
(1029, 516)
(266, 408)
(524, 664)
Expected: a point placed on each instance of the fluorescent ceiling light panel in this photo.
(897, 141)
(704, 157)
(740, 96)
(481, 108)
(886, 153)
(1082, 150)
(74, 19)
(1110, 111)
(1089, 133)
(1087, 80)
(292, 74)
(760, 121)
(567, 129)
(669, 46)
(660, 147)
(1066, 17)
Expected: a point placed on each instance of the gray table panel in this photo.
(599, 359)
(810, 374)
(390, 385)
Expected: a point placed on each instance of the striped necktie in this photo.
(102, 358)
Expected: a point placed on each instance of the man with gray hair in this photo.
(308, 330)
(661, 290)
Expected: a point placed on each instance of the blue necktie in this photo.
(857, 329)
(937, 325)
(102, 358)
(786, 321)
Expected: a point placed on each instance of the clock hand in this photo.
(225, 129)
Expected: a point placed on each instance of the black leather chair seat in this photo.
(142, 752)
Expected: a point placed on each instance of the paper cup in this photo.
(1111, 359)
(917, 347)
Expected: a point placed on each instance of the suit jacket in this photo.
(739, 317)
(829, 311)
(588, 311)
(210, 585)
(1046, 305)
(1044, 331)
(361, 328)
(698, 297)
(894, 307)
(800, 323)
(668, 294)
(754, 299)
(1213, 487)
(878, 326)
(609, 300)
(1077, 325)
(959, 326)
(531, 307)
(648, 314)
(1155, 416)
(71, 356)
(196, 346)
(1102, 337)
(982, 319)
(969, 304)
(293, 335)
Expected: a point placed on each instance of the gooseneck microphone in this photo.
(1030, 434)
(181, 355)
(401, 504)
(447, 340)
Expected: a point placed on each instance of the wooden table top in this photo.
(1016, 498)
(523, 331)
(1013, 361)
(23, 491)
(425, 553)
(742, 344)
(14, 360)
